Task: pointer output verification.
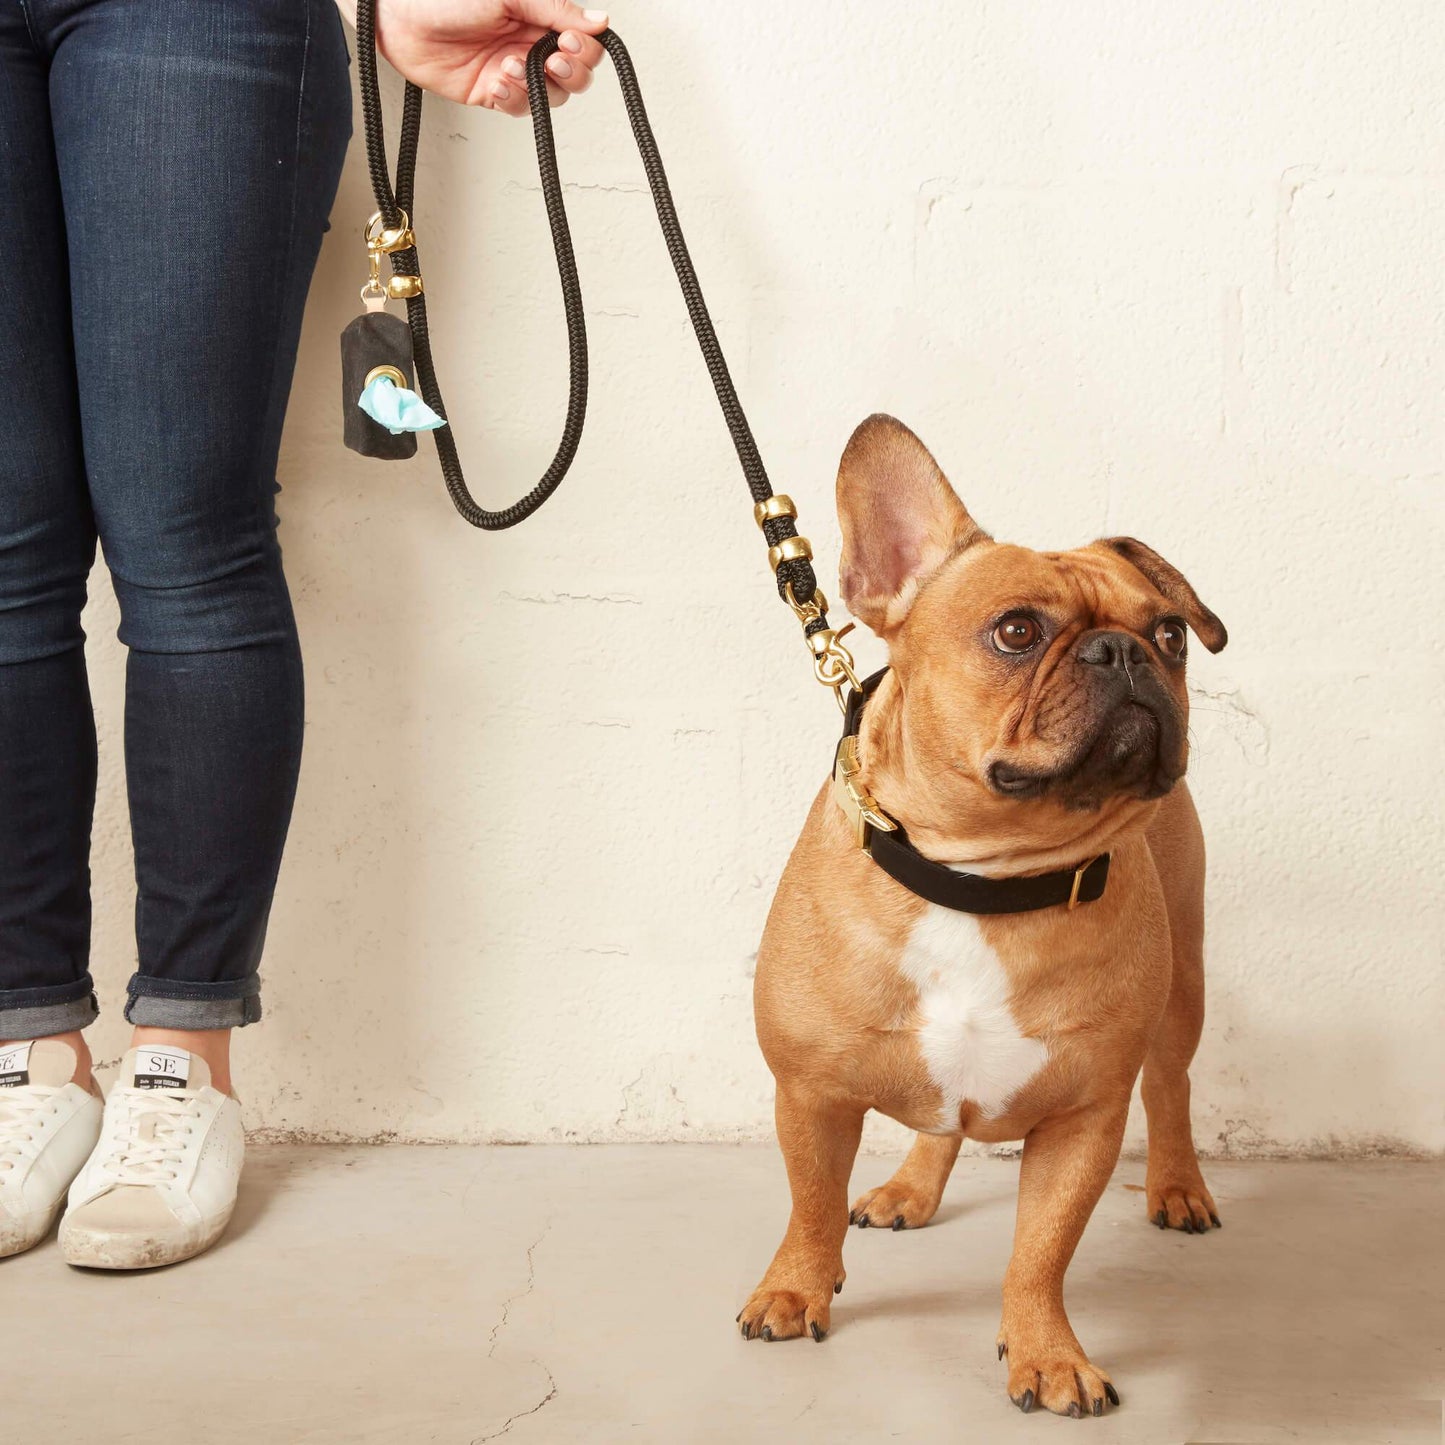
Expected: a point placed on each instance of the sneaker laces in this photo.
(20, 1109)
(148, 1139)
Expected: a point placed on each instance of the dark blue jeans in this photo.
(168, 168)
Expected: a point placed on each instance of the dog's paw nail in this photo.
(1027, 1402)
(1099, 1406)
(747, 1331)
(1188, 1225)
(852, 1216)
(815, 1331)
(837, 1286)
(1214, 1220)
(864, 1221)
(1001, 1351)
(897, 1224)
(768, 1333)
(1075, 1413)
(1112, 1393)
(1162, 1220)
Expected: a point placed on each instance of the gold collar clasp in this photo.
(859, 806)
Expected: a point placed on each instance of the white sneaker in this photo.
(161, 1184)
(48, 1126)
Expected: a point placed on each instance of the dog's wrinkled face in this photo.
(1052, 679)
(1071, 666)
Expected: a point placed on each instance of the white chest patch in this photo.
(970, 1043)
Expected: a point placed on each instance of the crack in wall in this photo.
(626, 1102)
(624, 188)
(669, 1110)
(1238, 719)
(1292, 180)
(548, 599)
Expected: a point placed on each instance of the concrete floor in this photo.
(555, 1295)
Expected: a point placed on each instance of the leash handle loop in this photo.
(792, 566)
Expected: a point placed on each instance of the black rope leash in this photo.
(789, 554)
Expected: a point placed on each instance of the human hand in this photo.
(475, 51)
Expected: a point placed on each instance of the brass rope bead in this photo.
(771, 508)
(790, 549)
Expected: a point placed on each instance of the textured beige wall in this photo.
(1169, 269)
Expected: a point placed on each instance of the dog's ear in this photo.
(901, 521)
(1171, 582)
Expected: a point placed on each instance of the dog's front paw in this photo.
(1057, 1376)
(786, 1314)
(895, 1205)
(1182, 1203)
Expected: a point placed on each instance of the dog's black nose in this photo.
(1110, 649)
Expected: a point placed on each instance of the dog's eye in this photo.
(1017, 633)
(1170, 637)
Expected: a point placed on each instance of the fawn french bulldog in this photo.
(1003, 921)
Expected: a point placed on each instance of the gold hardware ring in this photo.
(392, 373)
(381, 237)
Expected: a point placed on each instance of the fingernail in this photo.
(571, 41)
(559, 67)
(500, 91)
(514, 67)
(595, 17)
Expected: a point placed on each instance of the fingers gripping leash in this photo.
(390, 233)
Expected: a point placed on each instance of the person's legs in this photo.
(49, 1107)
(47, 545)
(199, 147)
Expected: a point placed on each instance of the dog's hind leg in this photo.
(910, 1199)
(1175, 1190)
(819, 1139)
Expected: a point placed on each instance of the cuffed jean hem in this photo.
(36, 1013)
(163, 1003)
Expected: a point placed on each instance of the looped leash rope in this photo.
(789, 554)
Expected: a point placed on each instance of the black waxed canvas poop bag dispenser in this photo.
(375, 352)
(389, 384)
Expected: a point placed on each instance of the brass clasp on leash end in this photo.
(383, 240)
(833, 664)
(859, 806)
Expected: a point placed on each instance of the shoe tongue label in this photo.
(15, 1065)
(162, 1068)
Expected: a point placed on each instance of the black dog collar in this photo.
(884, 840)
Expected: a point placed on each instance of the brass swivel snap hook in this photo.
(833, 664)
(383, 240)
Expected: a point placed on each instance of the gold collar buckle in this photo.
(1079, 881)
(859, 806)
